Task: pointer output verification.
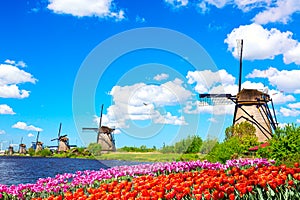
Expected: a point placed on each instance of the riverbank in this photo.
(149, 156)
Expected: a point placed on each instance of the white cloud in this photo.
(247, 5)
(284, 80)
(10, 77)
(160, 77)
(281, 12)
(24, 126)
(298, 121)
(30, 135)
(139, 19)
(198, 107)
(205, 80)
(2, 132)
(289, 112)
(292, 55)
(177, 3)
(294, 105)
(5, 109)
(280, 97)
(213, 120)
(18, 64)
(260, 43)
(145, 102)
(89, 8)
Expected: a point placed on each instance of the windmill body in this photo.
(104, 136)
(22, 147)
(251, 105)
(10, 150)
(63, 141)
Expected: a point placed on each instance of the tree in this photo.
(284, 146)
(195, 145)
(243, 129)
(208, 145)
(95, 149)
(245, 132)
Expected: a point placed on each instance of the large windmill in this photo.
(251, 105)
(38, 144)
(63, 141)
(104, 135)
(22, 147)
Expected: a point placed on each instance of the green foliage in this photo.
(95, 149)
(31, 152)
(195, 145)
(240, 130)
(191, 144)
(44, 152)
(208, 145)
(284, 146)
(188, 157)
(142, 148)
(225, 151)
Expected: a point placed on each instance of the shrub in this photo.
(284, 146)
(44, 152)
(95, 149)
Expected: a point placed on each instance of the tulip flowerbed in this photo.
(237, 179)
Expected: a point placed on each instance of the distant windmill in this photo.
(10, 150)
(250, 105)
(22, 147)
(104, 135)
(38, 144)
(63, 141)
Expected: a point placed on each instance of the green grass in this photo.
(144, 157)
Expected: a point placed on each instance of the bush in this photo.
(227, 150)
(284, 146)
(44, 152)
(31, 151)
(95, 149)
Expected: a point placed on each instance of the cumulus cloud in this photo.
(18, 64)
(199, 107)
(24, 126)
(142, 101)
(160, 77)
(284, 80)
(261, 43)
(177, 3)
(294, 105)
(6, 110)
(286, 112)
(10, 78)
(87, 8)
(280, 12)
(205, 80)
(2, 132)
(30, 135)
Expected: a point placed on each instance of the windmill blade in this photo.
(59, 130)
(54, 139)
(21, 140)
(62, 136)
(100, 120)
(37, 137)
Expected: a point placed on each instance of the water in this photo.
(16, 170)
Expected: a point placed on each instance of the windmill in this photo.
(38, 144)
(63, 141)
(22, 147)
(104, 135)
(251, 105)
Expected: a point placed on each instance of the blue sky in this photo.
(146, 61)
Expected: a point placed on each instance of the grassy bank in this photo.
(147, 157)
